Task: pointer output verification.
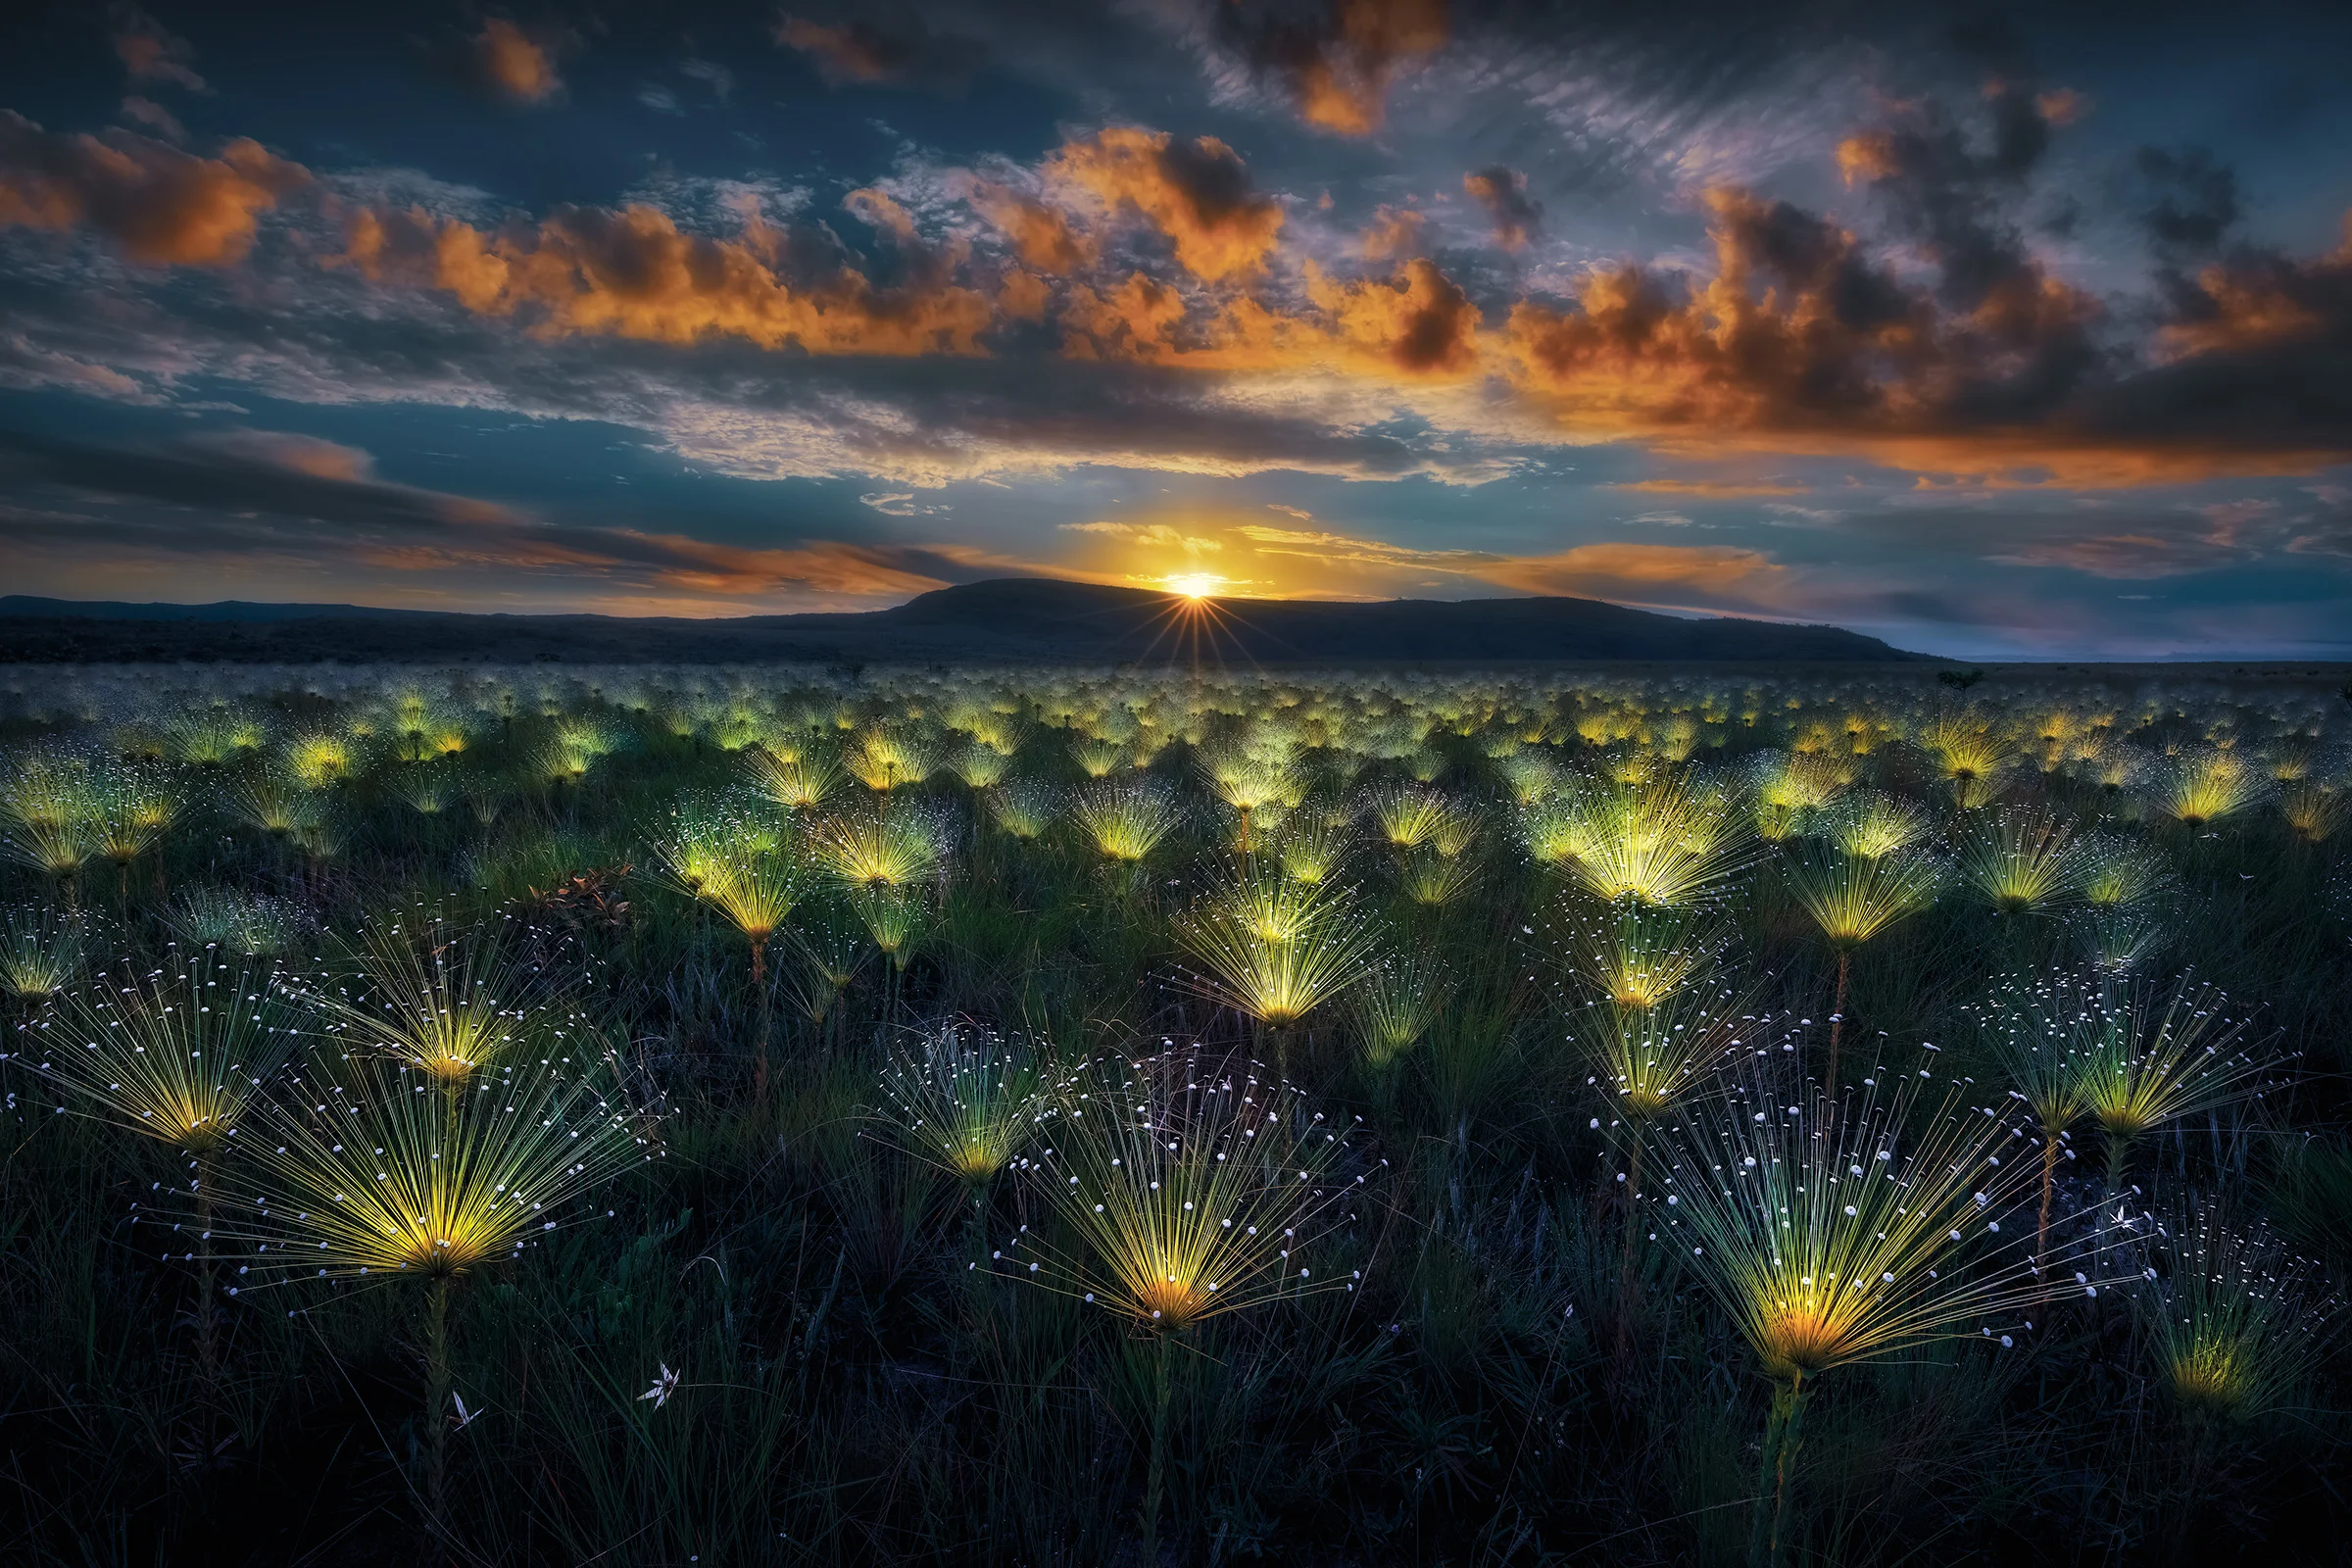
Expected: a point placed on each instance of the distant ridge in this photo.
(1009, 619)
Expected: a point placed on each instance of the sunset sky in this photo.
(2022, 333)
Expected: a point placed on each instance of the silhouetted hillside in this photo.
(1004, 620)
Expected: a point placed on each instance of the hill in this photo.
(1014, 619)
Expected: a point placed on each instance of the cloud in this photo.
(2256, 301)
(864, 53)
(1394, 231)
(247, 471)
(1710, 489)
(155, 117)
(2187, 202)
(2129, 556)
(633, 273)
(30, 367)
(164, 207)
(1338, 61)
(1640, 572)
(508, 62)
(235, 480)
(1196, 193)
(1318, 543)
(1947, 187)
(1800, 343)
(1502, 192)
(149, 51)
(1041, 234)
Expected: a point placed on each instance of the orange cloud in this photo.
(633, 273)
(1797, 344)
(1635, 570)
(669, 561)
(162, 206)
(509, 63)
(2258, 301)
(1710, 489)
(850, 51)
(1040, 235)
(2129, 556)
(1340, 66)
(1502, 192)
(1394, 231)
(1417, 322)
(1197, 193)
(150, 52)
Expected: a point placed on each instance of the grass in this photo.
(1543, 945)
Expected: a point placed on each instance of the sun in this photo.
(1195, 584)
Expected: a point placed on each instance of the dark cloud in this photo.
(151, 52)
(1502, 192)
(1335, 58)
(2187, 202)
(876, 46)
(1196, 192)
(240, 472)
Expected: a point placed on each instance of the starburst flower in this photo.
(2237, 1321)
(1125, 820)
(1969, 756)
(2021, 862)
(1669, 841)
(1852, 900)
(444, 1000)
(1195, 1186)
(1790, 790)
(885, 757)
(1025, 808)
(1835, 1233)
(896, 845)
(800, 783)
(251, 923)
(1651, 1058)
(1410, 816)
(2045, 1034)
(2116, 872)
(1274, 948)
(1397, 1003)
(363, 1169)
(2207, 786)
(1634, 957)
(963, 1101)
(319, 760)
(2149, 1060)
(175, 1054)
(1312, 845)
(1434, 880)
(40, 953)
(2313, 812)
(1872, 824)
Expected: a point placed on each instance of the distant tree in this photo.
(1961, 680)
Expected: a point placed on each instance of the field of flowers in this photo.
(1041, 1117)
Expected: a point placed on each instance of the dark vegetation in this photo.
(1011, 618)
(1516, 1374)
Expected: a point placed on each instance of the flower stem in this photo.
(1768, 1542)
(436, 1414)
(1845, 961)
(1157, 1472)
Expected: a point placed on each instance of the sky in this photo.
(1997, 333)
